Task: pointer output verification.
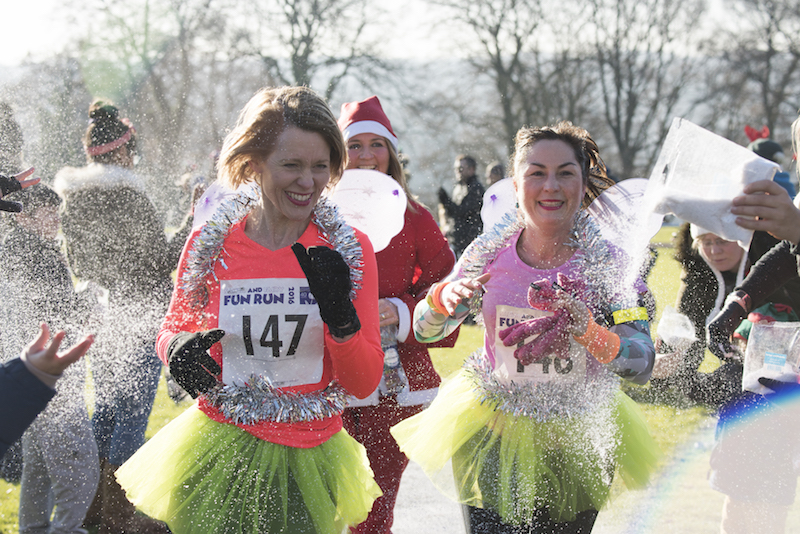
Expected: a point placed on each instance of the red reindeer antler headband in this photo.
(754, 134)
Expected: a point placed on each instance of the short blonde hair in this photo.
(264, 118)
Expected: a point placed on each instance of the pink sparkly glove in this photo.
(553, 337)
(544, 293)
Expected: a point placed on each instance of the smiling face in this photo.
(549, 185)
(721, 254)
(293, 176)
(368, 151)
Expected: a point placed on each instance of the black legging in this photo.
(481, 521)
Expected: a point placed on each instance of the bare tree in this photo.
(759, 63)
(538, 73)
(646, 65)
(147, 56)
(318, 43)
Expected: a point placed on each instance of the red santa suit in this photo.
(414, 259)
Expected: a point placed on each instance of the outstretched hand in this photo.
(43, 353)
(459, 290)
(12, 184)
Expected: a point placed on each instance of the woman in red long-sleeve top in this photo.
(273, 324)
(414, 259)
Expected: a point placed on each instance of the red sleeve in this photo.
(181, 317)
(435, 260)
(358, 362)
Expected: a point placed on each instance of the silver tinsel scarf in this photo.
(602, 269)
(208, 246)
(483, 250)
(258, 400)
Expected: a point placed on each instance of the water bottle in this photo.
(394, 378)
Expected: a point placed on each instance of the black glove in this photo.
(189, 362)
(329, 281)
(9, 184)
(722, 328)
(443, 196)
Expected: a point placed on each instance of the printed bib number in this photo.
(273, 329)
(545, 370)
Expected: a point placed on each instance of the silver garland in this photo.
(600, 264)
(601, 268)
(539, 401)
(208, 247)
(483, 250)
(258, 400)
(342, 239)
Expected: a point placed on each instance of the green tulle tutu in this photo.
(515, 465)
(200, 476)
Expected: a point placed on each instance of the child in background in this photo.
(60, 470)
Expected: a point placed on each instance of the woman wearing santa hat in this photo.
(414, 259)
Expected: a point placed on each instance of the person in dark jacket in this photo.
(463, 209)
(711, 268)
(703, 291)
(27, 383)
(59, 450)
(116, 239)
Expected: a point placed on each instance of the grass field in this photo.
(670, 425)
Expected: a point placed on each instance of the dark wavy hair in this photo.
(593, 169)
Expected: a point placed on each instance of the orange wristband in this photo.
(434, 298)
(601, 343)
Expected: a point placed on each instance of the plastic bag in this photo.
(773, 351)
(698, 174)
(676, 330)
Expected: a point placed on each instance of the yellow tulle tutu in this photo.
(515, 465)
(201, 476)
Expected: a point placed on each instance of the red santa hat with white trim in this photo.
(366, 116)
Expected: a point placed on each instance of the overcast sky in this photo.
(37, 27)
(29, 26)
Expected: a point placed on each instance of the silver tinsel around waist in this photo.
(258, 400)
(540, 401)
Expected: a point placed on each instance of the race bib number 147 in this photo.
(273, 328)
